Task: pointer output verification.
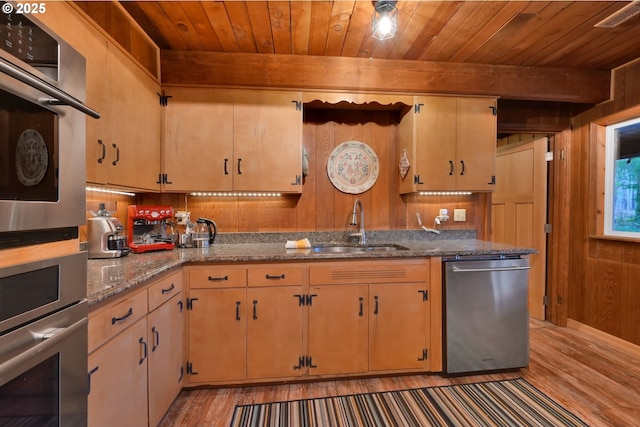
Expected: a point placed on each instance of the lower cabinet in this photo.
(255, 323)
(135, 355)
(258, 327)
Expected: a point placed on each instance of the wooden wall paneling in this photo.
(629, 311)
(325, 205)
(608, 280)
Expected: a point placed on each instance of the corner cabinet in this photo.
(135, 355)
(232, 140)
(450, 143)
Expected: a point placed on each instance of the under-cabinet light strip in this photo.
(110, 191)
(445, 193)
(236, 194)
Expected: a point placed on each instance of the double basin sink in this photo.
(335, 249)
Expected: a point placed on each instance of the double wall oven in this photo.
(43, 311)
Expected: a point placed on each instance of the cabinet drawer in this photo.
(401, 271)
(218, 277)
(275, 275)
(111, 320)
(163, 289)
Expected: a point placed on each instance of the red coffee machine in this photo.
(148, 227)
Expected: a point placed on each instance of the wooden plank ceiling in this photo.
(558, 34)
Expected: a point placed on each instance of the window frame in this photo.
(609, 171)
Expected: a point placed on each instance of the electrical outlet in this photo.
(459, 214)
(444, 212)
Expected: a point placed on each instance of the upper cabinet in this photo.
(123, 146)
(232, 140)
(450, 143)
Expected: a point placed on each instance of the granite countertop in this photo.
(109, 277)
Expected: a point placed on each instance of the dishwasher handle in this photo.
(486, 270)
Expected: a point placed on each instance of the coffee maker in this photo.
(106, 238)
(148, 227)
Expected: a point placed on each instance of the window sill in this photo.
(614, 238)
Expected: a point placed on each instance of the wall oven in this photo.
(43, 343)
(42, 128)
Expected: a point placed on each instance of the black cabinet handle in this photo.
(217, 279)
(169, 289)
(160, 179)
(450, 167)
(239, 171)
(91, 372)
(361, 313)
(117, 155)
(301, 361)
(462, 172)
(237, 310)
(125, 317)
(144, 350)
(156, 339)
(255, 309)
(270, 277)
(180, 305)
(416, 179)
(375, 308)
(424, 356)
(493, 180)
(226, 172)
(104, 151)
(425, 294)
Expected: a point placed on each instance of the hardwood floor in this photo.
(595, 380)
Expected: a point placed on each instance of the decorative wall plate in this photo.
(32, 158)
(353, 167)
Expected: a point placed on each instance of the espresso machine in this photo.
(106, 238)
(150, 228)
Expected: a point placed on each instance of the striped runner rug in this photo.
(506, 403)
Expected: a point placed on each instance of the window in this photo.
(622, 179)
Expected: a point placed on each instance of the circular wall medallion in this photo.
(32, 158)
(353, 167)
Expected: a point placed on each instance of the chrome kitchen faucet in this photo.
(361, 234)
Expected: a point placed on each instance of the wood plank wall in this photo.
(321, 207)
(602, 274)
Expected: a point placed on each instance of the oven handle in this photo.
(60, 96)
(46, 344)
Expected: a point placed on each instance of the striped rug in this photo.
(506, 403)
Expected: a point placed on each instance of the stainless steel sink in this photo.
(332, 249)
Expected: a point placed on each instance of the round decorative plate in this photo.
(32, 158)
(353, 167)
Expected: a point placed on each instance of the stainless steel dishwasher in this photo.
(486, 315)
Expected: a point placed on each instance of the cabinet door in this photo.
(338, 329)
(267, 128)
(435, 163)
(133, 142)
(274, 332)
(398, 326)
(165, 357)
(217, 336)
(118, 380)
(476, 144)
(198, 140)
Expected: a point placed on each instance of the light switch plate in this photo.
(459, 214)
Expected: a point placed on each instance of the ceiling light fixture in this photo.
(385, 19)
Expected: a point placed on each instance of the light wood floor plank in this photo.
(598, 382)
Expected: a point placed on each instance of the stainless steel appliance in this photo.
(42, 136)
(43, 343)
(486, 316)
(147, 227)
(106, 238)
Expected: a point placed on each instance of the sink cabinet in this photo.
(286, 320)
(232, 140)
(380, 320)
(450, 143)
